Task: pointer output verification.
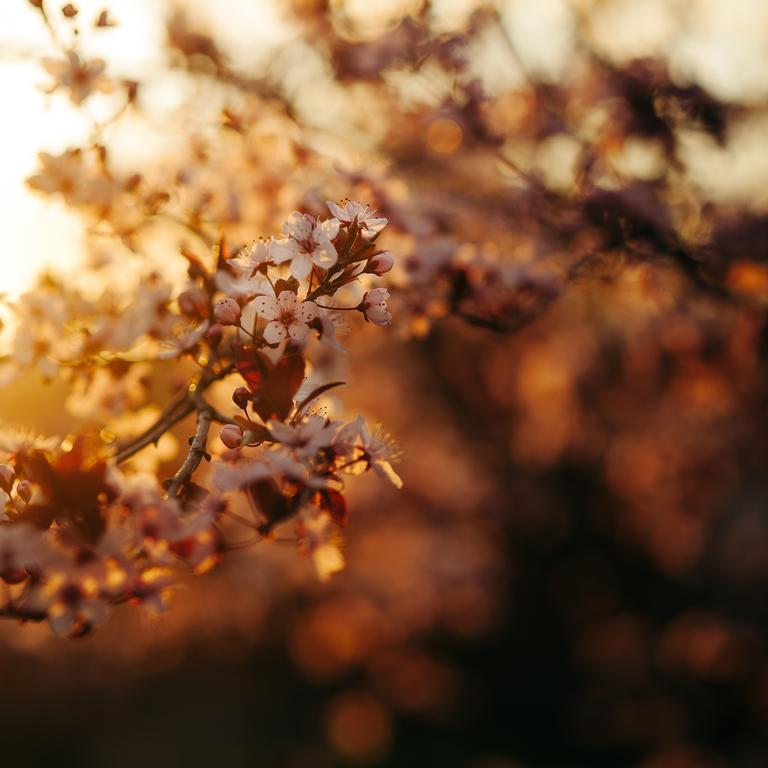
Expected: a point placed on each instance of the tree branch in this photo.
(196, 451)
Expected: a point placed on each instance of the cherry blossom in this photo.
(81, 78)
(361, 215)
(287, 317)
(304, 438)
(257, 256)
(376, 448)
(307, 243)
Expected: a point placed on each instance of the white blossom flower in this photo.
(374, 306)
(288, 317)
(377, 447)
(185, 340)
(249, 262)
(240, 282)
(269, 464)
(363, 215)
(306, 243)
(305, 438)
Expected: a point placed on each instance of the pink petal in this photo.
(274, 333)
(307, 311)
(282, 250)
(325, 255)
(298, 332)
(266, 307)
(301, 266)
(287, 301)
(337, 211)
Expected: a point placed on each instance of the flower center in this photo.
(288, 316)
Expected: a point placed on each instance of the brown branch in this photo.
(196, 451)
(177, 410)
(12, 611)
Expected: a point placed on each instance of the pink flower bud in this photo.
(227, 312)
(24, 490)
(193, 303)
(374, 306)
(241, 397)
(7, 476)
(381, 263)
(231, 436)
(215, 334)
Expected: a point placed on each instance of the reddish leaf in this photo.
(251, 365)
(274, 507)
(74, 490)
(275, 400)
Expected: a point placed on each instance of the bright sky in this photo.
(38, 231)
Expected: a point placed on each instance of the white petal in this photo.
(301, 266)
(287, 301)
(327, 230)
(298, 331)
(282, 250)
(298, 226)
(307, 311)
(373, 226)
(266, 307)
(325, 255)
(384, 469)
(281, 432)
(274, 332)
(337, 211)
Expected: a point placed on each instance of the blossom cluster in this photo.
(86, 524)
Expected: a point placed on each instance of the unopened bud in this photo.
(381, 263)
(13, 575)
(214, 335)
(374, 306)
(241, 397)
(192, 303)
(7, 476)
(231, 436)
(24, 490)
(227, 312)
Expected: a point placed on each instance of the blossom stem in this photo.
(344, 309)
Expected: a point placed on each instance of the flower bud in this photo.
(374, 306)
(241, 397)
(232, 436)
(192, 303)
(381, 263)
(7, 476)
(13, 575)
(214, 335)
(227, 312)
(24, 491)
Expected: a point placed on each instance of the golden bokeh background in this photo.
(574, 573)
